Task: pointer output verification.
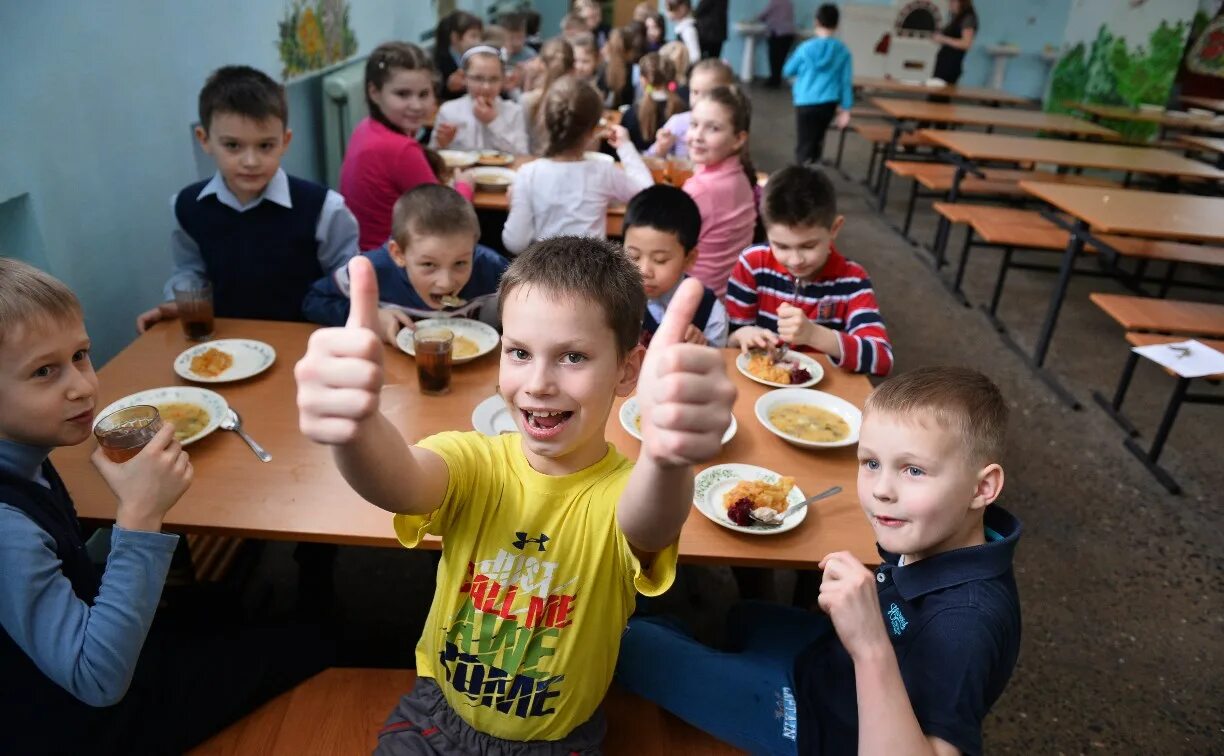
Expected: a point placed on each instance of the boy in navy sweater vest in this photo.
(260, 236)
(907, 658)
(662, 224)
(85, 668)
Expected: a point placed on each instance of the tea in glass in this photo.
(434, 347)
(195, 307)
(123, 433)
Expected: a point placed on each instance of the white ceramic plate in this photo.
(835, 404)
(493, 179)
(598, 156)
(807, 363)
(712, 482)
(483, 334)
(492, 417)
(212, 402)
(629, 414)
(458, 158)
(250, 358)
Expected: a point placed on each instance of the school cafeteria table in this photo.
(970, 148)
(1167, 120)
(1208, 144)
(300, 496)
(904, 112)
(952, 92)
(1096, 211)
(1210, 103)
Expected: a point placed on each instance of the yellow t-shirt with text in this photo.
(534, 589)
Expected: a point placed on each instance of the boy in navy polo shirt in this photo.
(921, 648)
(260, 236)
(662, 224)
(798, 289)
(431, 267)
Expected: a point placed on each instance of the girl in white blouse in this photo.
(481, 119)
(564, 192)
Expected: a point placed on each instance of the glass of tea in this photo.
(195, 307)
(433, 358)
(123, 433)
(678, 171)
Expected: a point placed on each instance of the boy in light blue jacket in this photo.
(823, 89)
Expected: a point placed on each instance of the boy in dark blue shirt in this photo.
(921, 648)
(431, 267)
(258, 235)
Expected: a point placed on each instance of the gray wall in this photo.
(97, 101)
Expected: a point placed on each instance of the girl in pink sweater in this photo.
(384, 159)
(722, 184)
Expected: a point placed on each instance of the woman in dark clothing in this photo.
(955, 40)
(711, 16)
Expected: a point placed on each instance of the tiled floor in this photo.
(1120, 581)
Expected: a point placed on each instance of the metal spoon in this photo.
(233, 422)
(449, 300)
(791, 510)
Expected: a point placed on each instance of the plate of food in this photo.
(493, 179)
(193, 411)
(598, 156)
(492, 417)
(795, 370)
(457, 158)
(472, 338)
(631, 421)
(728, 493)
(494, 158)
(810, 418)
(224, 360)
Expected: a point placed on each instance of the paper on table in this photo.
(1189, 359)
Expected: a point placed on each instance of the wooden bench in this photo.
(1014, 229)
(212, 555)
(858, 113)
(879, 136)
(1186, 319)
(340, 711)
(938, 178)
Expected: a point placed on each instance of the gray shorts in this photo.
(423, 723)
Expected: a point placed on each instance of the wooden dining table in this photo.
(951, 91)
(300, 496)
(1167, 120)
(1210, 103)
(905, 113)
(1205, 143)
(1097, 212)
(969, 149)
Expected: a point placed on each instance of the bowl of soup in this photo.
(493, 179)
(810, 418)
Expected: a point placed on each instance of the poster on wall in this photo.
(1121, 54)
(314, 34)
(1203, 72)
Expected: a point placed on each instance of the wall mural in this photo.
(313, 35)
(1116, 68)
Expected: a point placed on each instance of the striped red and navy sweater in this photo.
(840, 297)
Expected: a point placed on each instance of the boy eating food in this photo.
(550, 532)
(661, 227)
(799, 289)
(431, 267)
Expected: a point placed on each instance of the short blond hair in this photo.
(960, 399)
(27, 294)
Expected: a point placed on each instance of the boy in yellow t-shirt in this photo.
(550, 533)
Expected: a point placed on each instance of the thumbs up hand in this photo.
(340, 376)
(684, 391)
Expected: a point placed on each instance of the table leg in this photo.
(888, 155)
(1075, 245)
(942, 230)
(1114, 408)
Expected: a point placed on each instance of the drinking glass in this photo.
(195, 307)
(433, 358)
(123, 433)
